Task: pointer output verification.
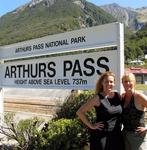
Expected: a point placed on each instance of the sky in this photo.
(10, 5)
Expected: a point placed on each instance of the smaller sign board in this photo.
(87, 38)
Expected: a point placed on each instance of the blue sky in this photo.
(10, 5)
(123, 3)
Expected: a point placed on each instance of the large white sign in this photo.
(65, 71)
(88, 38)
(71, 71)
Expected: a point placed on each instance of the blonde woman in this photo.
(134, 104)
(105, 133)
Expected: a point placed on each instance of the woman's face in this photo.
(128, 84)
(108, 83)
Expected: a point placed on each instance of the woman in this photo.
(134, 104)
(105, 134)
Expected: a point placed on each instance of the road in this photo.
(34, 102)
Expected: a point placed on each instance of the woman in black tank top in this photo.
(105, 133)
(134, 104)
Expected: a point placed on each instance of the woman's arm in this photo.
(142, 99)
(81, 113)
(143, 102)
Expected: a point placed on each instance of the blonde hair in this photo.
(99, 86)
(129, 77)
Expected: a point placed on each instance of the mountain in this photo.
(45, 17)
(133, 18)
(142, 14)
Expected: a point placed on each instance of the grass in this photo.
(141, 87)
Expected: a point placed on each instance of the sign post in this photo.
(1, 96)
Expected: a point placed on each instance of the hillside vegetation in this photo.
(136, 45)
(43, 19)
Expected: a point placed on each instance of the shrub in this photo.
(25, 132)
(65, 134)
(72, 104)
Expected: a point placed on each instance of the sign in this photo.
(79, 71)
(87, 38)
(65, 71)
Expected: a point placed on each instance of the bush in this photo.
(72, 135)
(65, 134)
(72, 104)
(26, 132)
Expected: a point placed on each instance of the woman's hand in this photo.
(141, 130)
(98, 125)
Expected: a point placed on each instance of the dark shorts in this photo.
(102, 140)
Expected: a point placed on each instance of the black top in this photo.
(109, 112)
(132, 117)
(110, 119)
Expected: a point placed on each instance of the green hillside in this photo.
(136, 45)
(41, 20)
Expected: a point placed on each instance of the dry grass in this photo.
(141, 87)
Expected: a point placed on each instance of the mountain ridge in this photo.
(133, 18)
(47, 17)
